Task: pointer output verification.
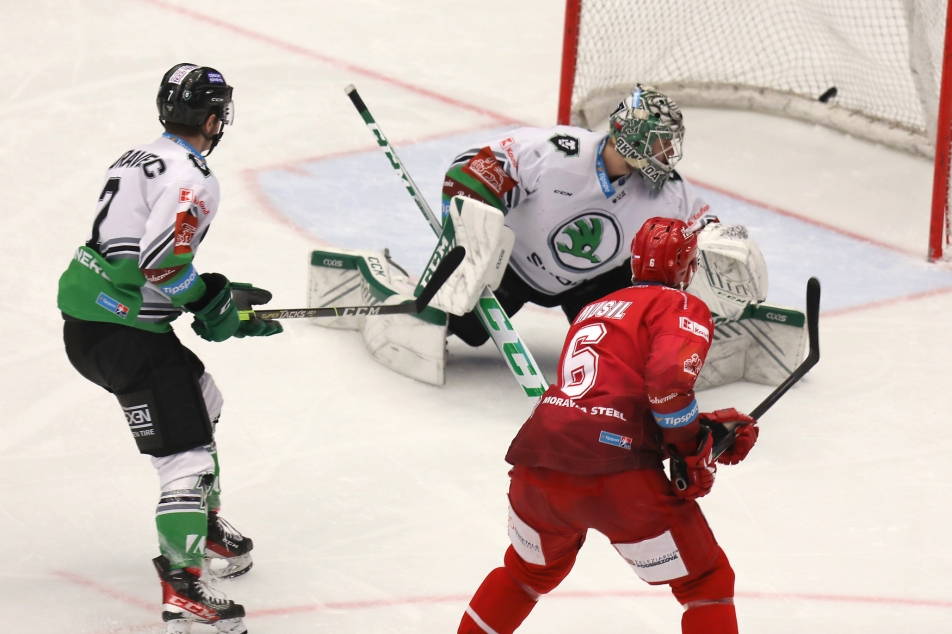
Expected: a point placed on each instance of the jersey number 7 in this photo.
(111, 188)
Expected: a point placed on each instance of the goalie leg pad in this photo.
(408, 345)
(345, 277)
(412, 345)
(763, 346)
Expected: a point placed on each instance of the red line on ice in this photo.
(383, 603)
(462, 599)
(300, 50)
(888, 302)
(792, 214)
(252, 181)
(104, 589)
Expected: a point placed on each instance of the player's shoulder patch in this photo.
(567, 144)
(200, 165)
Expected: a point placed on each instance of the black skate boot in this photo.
(226, 543)
(186, 599)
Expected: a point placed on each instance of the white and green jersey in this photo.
(571, 222)
(156, 205)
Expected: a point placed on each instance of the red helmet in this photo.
(664, 251)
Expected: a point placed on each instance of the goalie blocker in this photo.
(414, 345)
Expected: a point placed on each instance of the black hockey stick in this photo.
(444, 269)
(724, 437)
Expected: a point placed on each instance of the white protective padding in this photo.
(412, 345)
(763, 346)
(655, 560)
(488, 242)
(212, 396)
(183, 470)
(407, 344)
(525, 540)
(731, 270)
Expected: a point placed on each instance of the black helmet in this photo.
(189, 93)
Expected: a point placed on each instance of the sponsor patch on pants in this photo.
(654, 560)
(525, 540)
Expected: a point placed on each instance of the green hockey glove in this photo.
(216, 316)
(247, 296)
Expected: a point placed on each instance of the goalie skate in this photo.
(227, 551)
(186, 599)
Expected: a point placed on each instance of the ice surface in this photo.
(377, 504)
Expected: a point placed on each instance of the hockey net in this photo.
(869, 68)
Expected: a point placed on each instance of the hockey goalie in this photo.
(570, 200)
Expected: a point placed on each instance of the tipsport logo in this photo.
(112, 305)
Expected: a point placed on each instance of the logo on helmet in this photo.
(586, 242)
(181, 73)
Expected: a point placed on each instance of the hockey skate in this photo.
(226, 543)
(186, 599)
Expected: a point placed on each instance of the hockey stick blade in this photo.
(444, 270)
(813, 331)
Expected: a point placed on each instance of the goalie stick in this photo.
(491, 314)
(724, 437)
(447, 265)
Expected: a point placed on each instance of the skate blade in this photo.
(179, 626)
(219, 567)
(231, 626)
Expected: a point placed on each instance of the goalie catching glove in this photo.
(721, 422)
(731, 271)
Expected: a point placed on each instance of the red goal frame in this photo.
(940, 226)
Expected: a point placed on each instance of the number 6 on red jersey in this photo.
(580, 363)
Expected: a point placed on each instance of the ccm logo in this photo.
(775, 317)
(335, 263)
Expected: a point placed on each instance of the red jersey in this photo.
(626, 373)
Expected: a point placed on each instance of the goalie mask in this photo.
(664, 251)
(647, 129)
(189, 93)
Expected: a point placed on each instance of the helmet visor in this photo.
(228, 112)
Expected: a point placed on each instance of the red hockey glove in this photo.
(745, 431)
(693, 476)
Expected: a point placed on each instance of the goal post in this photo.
(869, 68)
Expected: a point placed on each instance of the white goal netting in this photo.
(883, 57)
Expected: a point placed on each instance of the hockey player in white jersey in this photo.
(119, 295)
(575, 198)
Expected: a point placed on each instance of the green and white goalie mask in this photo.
(647, 129)
(731, 271)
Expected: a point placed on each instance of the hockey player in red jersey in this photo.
(590, 455)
